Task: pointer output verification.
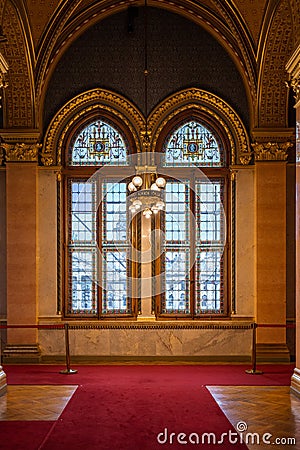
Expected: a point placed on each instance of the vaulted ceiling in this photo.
(258, 35)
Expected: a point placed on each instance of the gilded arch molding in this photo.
(189, 99)
(213, 106)
(83, 104)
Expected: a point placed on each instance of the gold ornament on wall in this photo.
(271, 151)
(21, 152)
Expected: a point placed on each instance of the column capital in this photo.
(271, 151)
(20, 152)
(293, 69)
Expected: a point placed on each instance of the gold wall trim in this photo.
(95, 100)
(20, 152)
(212, 105)
(271, 151)
(161, 325)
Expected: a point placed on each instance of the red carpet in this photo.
(126, 407)
(273, 375)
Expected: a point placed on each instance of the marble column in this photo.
(293, 68)
(21, 214)
(270, 161)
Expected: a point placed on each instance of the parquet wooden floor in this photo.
(261, 409)
(34, 402)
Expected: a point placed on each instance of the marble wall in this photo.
(191, 343)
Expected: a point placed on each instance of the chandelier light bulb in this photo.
(131, 187)
(154, 187)
(147, 213)
(137, 204)
(155, 209)
(160, 205)
(137, 181)
(160, 182)
(132, 208)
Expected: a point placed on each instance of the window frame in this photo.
(189, 173)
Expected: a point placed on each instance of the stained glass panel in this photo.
(114, 213)
(177, 212)
(98, 143)
(114, 249)
(209, 282)
(83, 212)
(209, 246)
(83, 292)
(192, 143)
(209, 211)
(177, 251)
(114, 282)
(176, 282)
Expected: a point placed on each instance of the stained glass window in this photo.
(98, 143)
(91, 247)
(177, 249)
(209, 246)
(192, 143)
(115, 248)
(194, 224)
(82, 249)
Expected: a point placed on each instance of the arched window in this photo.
(96, 229)
(192, 143)
(194, 260)
(97, 144)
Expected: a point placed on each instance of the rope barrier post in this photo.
(254, 371)
(68, 370)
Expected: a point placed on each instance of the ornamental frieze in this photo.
(271, 151)
(21, 152)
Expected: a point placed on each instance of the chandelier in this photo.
(146, 192)
(146, 187)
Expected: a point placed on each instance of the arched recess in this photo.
(83, 108)
(237, 45)
(213, 110)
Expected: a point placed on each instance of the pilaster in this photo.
(21, 212)
(270, 161)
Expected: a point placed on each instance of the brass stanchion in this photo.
(68, 370)
(254, 371)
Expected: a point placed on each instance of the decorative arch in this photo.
(272, 102)
(81, 109)
(67, 26)
(19, 95)
(212, 110)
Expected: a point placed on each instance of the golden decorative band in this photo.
(271, 151)
(20, 152)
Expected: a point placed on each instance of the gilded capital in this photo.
(245, 158)
(271, 151)
(21, 152)
(294, 84)
(47, 159)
